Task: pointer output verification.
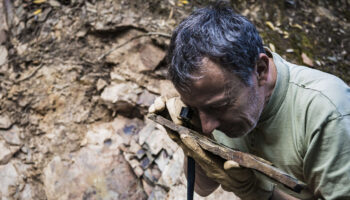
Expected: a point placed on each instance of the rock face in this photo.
(3, 54)
(96, 171)
(9, 178)
(11, 136)
(91, 176)
(6, 152)
(127, 98)
(5, 122)
(12, 181)
(142, 56)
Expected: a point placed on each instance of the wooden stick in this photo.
(243, 159)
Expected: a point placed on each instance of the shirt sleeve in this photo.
(327, 160)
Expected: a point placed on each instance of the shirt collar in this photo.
(281, 86)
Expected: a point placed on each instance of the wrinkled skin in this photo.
(224, 102)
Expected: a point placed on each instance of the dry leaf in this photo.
(39, 1)
(270, 25)
(272, 47)
(37, 12)
(306, 60)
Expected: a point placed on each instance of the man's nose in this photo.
(208, 122)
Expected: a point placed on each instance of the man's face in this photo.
(223, 101)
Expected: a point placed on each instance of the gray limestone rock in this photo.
(91, 176)
(6, 152)
(11, 136)
(158, 193)
(162, 160)
(3, 55)
(5, 122)
(9, 178)
(172, 172)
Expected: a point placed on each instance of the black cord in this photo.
(190, 177)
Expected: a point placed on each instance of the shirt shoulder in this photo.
(315, 98)
(325, 90)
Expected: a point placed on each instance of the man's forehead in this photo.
(210, 85)
(209, 72)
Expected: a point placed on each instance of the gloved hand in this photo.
(229, 174)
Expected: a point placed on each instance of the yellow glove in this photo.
(229, 174)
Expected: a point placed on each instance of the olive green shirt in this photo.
(305, 131)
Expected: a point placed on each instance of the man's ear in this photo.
(262, 69)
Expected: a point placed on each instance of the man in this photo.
(251, 99)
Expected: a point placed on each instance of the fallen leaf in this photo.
(306, 60)
(270, 25)
(37, 12)
(297, 26)
(272, 47)
(285, 34)
(39, 1)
